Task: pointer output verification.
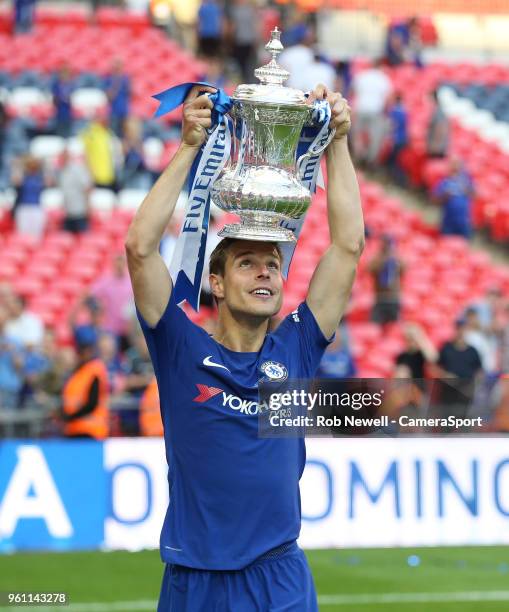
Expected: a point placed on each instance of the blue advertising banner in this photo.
(53, 495)
(65, 495)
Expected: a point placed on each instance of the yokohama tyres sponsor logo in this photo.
(248, 407)
(206, 393)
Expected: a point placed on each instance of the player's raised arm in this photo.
(333, 278)
(149, 276)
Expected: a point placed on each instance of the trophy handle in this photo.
(311, 151)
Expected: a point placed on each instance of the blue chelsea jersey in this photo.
(233, 495)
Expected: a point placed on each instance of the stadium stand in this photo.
(477, 136)
(443, 274)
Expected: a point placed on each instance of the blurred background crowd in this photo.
(79, 149)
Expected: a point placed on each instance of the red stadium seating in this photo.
(487, 163)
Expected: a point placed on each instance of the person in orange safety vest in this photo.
(85, 394)
(150, 413)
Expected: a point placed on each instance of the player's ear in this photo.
(216, 282)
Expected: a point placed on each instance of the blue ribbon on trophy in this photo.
(187, 263)
(186, 267)
(312, 144)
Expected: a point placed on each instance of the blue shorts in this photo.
(274, 583)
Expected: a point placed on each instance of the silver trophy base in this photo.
(241, 231)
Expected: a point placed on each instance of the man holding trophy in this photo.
(229, 535)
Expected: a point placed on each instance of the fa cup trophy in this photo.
(266, 176)
(262, 182)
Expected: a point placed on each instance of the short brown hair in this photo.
(218, 256)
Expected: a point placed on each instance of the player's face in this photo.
(252, 282)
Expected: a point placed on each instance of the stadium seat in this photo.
(29, 101)
(47, 147)
(153, 150)
(102, 200)
(130, 199)
(87, 102)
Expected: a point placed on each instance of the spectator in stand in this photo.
(386, 269)
(75, 184)
(296, 26)
(394, 47)
(23, 15)
(210, 28)
(419, 351)
(491, 309)
(337, 361)
(118, 89)
(484, 343)
(38, 362)
(215, 72)
(134, 173)
(62, 88)
(404, 43)
(457, 358)
(107, 349)
(320, 71)
(102, 151)
(85, 395)
(455, 193)
(500, 420)
(371, 88)
(52, 381)
(114, 293)
(306, 66)
(398, 117)
(138, 374)
(414, 44)
(183, 23)
(244, 24)
(299, 56)
(138, 365)
(24, 327)
(438, 135)
(4, 122)
(150, 411)
(87, 312)
(343, 77)
(458, 365)
(11, 365)
(29, 180)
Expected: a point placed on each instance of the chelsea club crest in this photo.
(274, 370)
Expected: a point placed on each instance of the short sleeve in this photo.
(168, 335)
(477, 359)
(442, 357)
(302, 328)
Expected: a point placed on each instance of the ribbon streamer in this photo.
(311, 146)
(186, 267)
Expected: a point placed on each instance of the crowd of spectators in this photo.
(228, 37)
(34, 370)
(105, 151)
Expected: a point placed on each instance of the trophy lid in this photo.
(271, 76)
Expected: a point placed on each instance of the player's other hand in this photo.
(197, 116)
(340, 117)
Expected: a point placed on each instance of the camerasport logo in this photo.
(274, 370)
(234, 402)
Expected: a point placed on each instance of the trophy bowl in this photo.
(261, 184)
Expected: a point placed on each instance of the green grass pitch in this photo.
(361, 580)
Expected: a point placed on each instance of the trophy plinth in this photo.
(261, 184)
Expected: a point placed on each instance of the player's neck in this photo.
(240, 334)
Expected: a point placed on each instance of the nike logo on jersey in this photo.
(206, 393)
(208, 362)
